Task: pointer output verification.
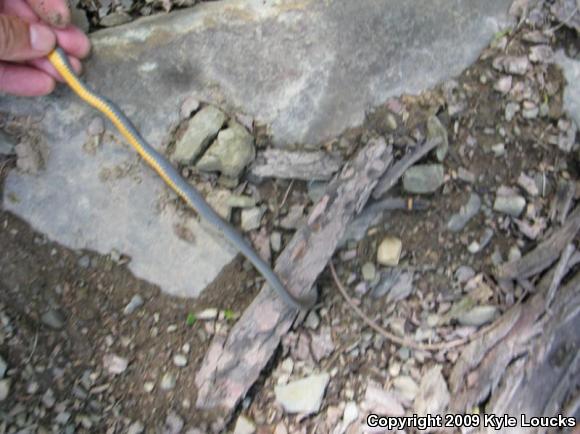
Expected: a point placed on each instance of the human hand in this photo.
(29, 30)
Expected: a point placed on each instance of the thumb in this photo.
(20, 40)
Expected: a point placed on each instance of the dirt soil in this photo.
(62, 311)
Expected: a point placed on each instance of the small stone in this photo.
(504, 84)
(32, 388)
(458, 221)
(433, 396)
(136, 428)
(402, 287)
(244, 426)
(391, 122)
(230, 153)
(512, 64)
(84, 261)
(201, 130)
(498, 149)
(510, 205)
(514, 254)
(180, 360)
(189, 106)
(294, 218)
(350, 414)
(148, 386)
(303, 396)
(218, 200)
(465, 175)
(436, 130)
(424, 178)
(406, 386)
(530, 110)
(252, 218)
(207, 314)
(380, 401)
(115, 364)
(115, 19)
(276, 241)
(48, 399)
(369, 271)
(464, 273)
(389, 251)
(167, 381)
(173, 423)
(135, 303)
(528, 184)
(541, 54)
(53, 319)
(62, 418)
(239, 201)
(312, 320)
(3, 367)
(511, 109)
(79, 19)
(4, 388)
(478, 316)
(7, 143)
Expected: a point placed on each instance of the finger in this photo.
(20, 40)
(54, 12)
(19, 8)
(24, 80)
(45, 66)
(73, 41)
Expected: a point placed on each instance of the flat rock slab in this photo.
(308, 69)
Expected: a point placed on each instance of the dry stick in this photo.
(404, 341)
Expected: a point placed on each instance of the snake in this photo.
(169, 174)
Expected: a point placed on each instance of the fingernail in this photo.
(41, 38)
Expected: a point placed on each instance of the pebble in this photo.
(218, 200)
(240, 201)
(3, 367)
(380, 401)
(478, 316)
(504, 84)
(135, 303)
(511, 109)
(349, 415)
(32, 388)
(424, 178)
(510, 205)
(62, 418)
(201, 129)
(402, 287)
(406, 386)
(232, 151)
(207, 314)
(369, 271)
(433, 396)
(517, 65)
(276, 241)
(48, 399)
(167, 381)
(252, 218)
(180, 360)
(173, 423)
(136, 428)
(391, 122)
(436, 130)
(498, 149)
(458, 221)
(312, 320)
(528, 184)
(53, 319)
(189, 106)
(148, 386)
(464, 273)
(541, 54)
(115, 19)
(115, 364)
(530, 110)
(389, 251)
(4, 389)
(303, 396)
(244, 426)
(465, 175)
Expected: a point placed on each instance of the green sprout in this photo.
(191, 319)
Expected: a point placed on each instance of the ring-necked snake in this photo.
(171, 176)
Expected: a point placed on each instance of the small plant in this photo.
(191, 319)
(229, 314)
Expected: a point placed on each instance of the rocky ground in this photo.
(86, 347)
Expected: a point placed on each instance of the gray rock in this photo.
(239, 201)
(511, 110)
(504, 84)
(406, 386)
(433, 396)
(566, 11)
(478, 316)
(380, 401)
(252, 218)
(48, 399)
(388, 279)
(436, 130)
(79, 19)
(541, 54)
(528, 184)
(114, 364)
(167, 381)
(510, 205)
(369, 271)
(530, 110)
(4, 388)
(389, 251)
(424, 178)
(135, 303)
(276, 241)
(3, 367)
(173, 423)
(308, 166)
(303, 396)
(244, 426)
(402, 287)
(84, 261)
(201, 130)
(465, 175)
(512, 64)
(53, 319)
(213, 53)
(180, 360)
(571, 69)
(230, 153)
(115, 19)
(464, 273)
(136, 428)
(458, 221)
(7, 143)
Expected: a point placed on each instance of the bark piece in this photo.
(308, 166)
(233, 364)
(545, 254)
